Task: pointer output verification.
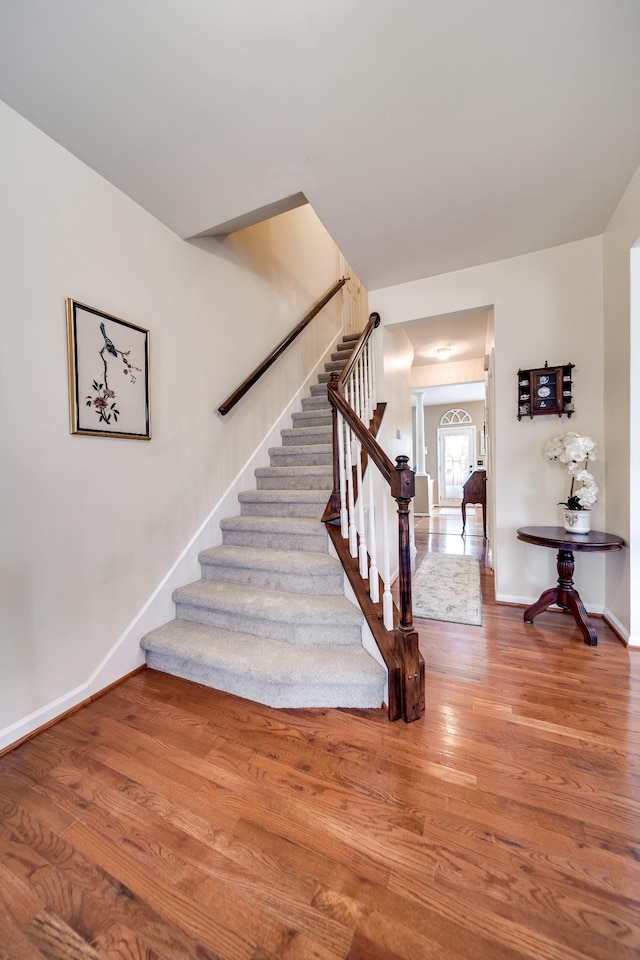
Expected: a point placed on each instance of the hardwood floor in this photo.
(165, 820)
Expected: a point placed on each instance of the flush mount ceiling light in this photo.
(443, 352)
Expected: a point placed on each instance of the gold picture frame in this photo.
(108, 374)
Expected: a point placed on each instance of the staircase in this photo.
(269, 620)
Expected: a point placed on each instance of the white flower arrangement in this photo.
(573, 451)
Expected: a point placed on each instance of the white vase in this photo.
(577, 521)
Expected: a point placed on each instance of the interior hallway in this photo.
(441, 533)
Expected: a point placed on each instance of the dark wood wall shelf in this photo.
(544, 391)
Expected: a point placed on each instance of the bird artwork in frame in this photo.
(108, 374)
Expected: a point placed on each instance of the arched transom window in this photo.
(454, 416)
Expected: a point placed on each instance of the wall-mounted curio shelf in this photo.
(544, 391)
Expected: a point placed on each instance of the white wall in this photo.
(396, 433)
(547, 306)
(490, 430)
(622, 405)
(90, 526)
(394, 356)
(460, 371)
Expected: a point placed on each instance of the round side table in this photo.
(564, 594)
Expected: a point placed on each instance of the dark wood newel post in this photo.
(403, 491)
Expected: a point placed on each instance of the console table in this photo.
(565, 595)
(475, 491)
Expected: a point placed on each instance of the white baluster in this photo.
(412, 533)
(353, 401)
(387, 599)
(374, 588)
(374, 395)
(367, 392)
(344, 513)
(364, 563)
(353, 535)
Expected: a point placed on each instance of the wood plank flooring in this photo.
(166, 820)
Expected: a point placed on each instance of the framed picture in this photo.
(108, 374)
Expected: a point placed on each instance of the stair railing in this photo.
(262, 368)
(357, 517)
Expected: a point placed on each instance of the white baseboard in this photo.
(528, 601)
(518, 601)
(630, 640)
(125, 655)
(17, 731)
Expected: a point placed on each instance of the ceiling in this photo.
(464, 334)
(429, 135)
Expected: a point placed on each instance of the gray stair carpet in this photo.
(268, 620)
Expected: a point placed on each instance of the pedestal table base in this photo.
(565, 596)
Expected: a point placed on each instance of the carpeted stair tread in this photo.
(299, 571)
(269, 672)
(307, 435)
(283, 503)
(311, 476)
(286, 496)
(286, 533)
(319, 389)
(274, 614)
(308, 454)
(268, 604)
(283, 496)
(300, 525)
(315, 564)
(335, 365)
(313, 418)
(318, 412)
(310, 448)
(314, 403)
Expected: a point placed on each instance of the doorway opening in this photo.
(456, 448)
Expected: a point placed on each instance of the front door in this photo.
(456, 446)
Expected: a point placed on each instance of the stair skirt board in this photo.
(269, 620)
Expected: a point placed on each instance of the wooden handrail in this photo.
(373, 322)
(246, 385)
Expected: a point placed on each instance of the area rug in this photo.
(447, 587)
